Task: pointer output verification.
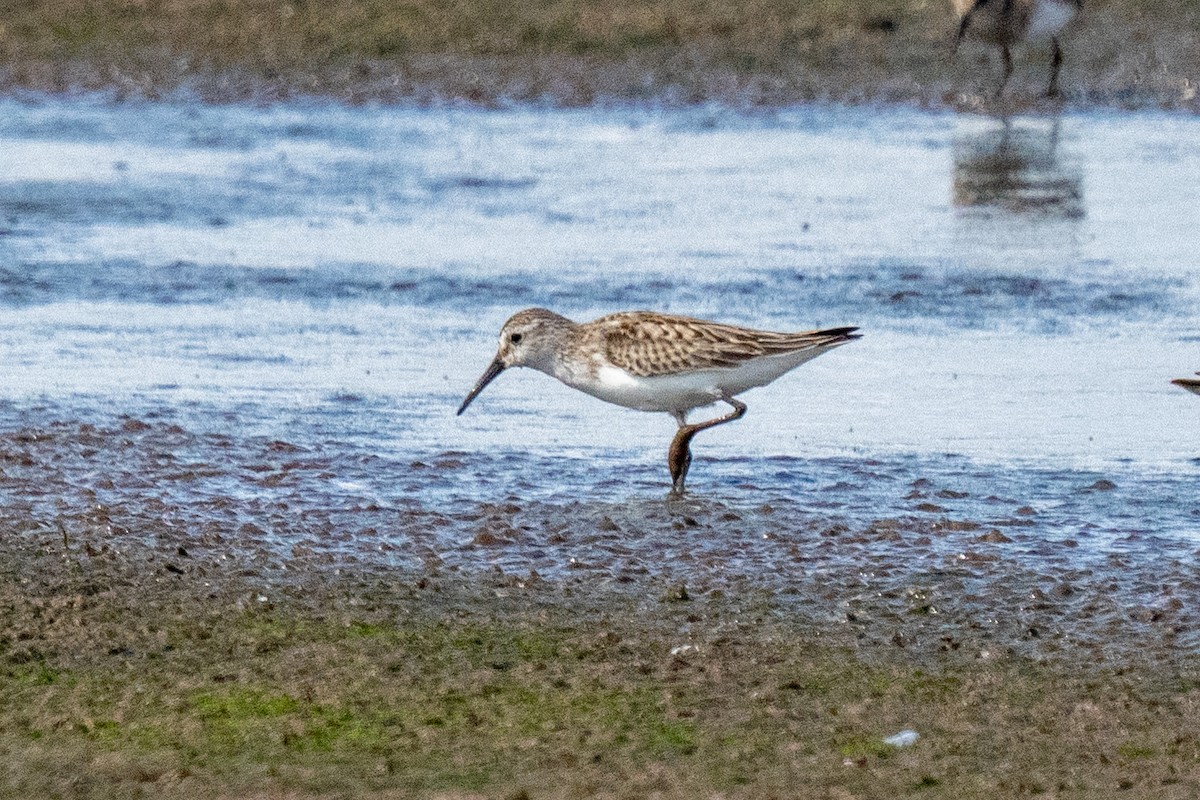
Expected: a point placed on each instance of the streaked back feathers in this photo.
(646, 343)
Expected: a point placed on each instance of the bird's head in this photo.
(529, 338)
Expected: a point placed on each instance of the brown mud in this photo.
(164, 640)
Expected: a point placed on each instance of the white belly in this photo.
(687, 390)
(1048, 18)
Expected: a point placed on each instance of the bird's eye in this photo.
(516, 338)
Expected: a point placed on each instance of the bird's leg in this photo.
(1055, 64)
(679, 458)
(965, 23)
(1006, 53)
(679, 455)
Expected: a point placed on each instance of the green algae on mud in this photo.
(450, 686)
(578, 52)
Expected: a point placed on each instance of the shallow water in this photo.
(331, 280)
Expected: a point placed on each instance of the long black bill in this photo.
(489, 375)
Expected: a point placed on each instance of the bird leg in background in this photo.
(1006, 54)
(1055, 65)
(965, 22)
(679, 455)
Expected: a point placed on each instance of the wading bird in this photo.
(1005, 23)
(656, 362)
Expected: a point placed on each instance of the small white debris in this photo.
(684, 649)
(262, 598)
(902, 739)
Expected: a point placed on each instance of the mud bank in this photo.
(163, 639)
(1120, 55)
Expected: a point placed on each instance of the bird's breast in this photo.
(678, 392)
(681, 391)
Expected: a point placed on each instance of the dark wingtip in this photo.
(846, 334)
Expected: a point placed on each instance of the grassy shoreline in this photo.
(440, 685)
(575, 52)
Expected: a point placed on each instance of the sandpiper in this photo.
(656, 362)
(1006, 22)
(1191, 384)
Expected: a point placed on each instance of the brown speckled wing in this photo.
(646, 343)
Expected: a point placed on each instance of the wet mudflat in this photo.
(1073, 570)
(190, 614)
(248, 550)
